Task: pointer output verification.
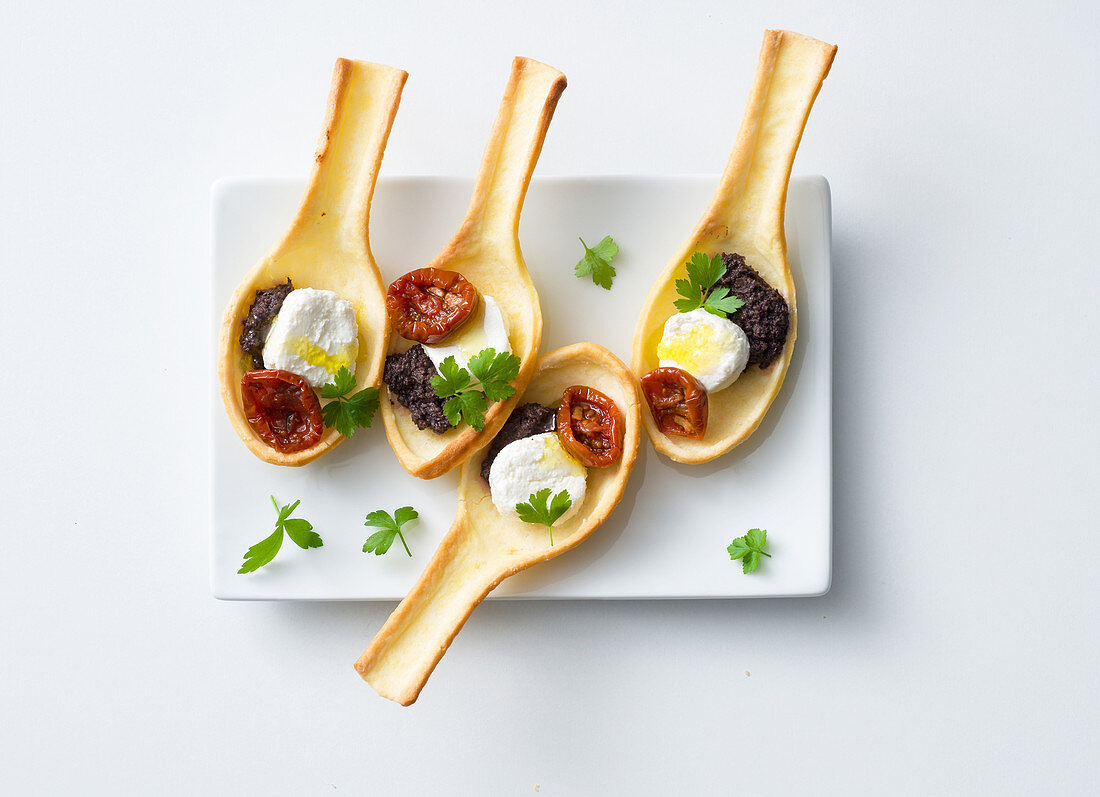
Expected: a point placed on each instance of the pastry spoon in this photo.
(744, 216)
(326, 245)
(484, 547)
(486, 251)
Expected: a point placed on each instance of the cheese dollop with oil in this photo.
(314, 336)
(712, 349)
(534, 463)
(486, 330)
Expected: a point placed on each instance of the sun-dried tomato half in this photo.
(429, 304)
(282, 409)
(590, 426)
(678, 401)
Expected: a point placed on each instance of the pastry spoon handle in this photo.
(361, 107)
(513, 149)
(403, 654)
(752, 193)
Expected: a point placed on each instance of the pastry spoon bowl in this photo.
(483, 547)
(745, 216)
(327, 244)
(486, 251)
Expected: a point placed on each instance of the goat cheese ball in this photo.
(314, 335)
(712, 349)
(530, 464)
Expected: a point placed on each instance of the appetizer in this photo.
(310, 317)
(552, 474)
(468, 326)
(715, 337)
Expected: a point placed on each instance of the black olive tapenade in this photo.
(408, 376)
(765, 317)
(526, 420)
(264, 308)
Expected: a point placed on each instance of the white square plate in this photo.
(668, 536)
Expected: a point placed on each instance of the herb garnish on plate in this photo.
(596, 262)
(389, 527)
(749, 549)
(300, 532)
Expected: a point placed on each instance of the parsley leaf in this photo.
(467, 400)
(454, 378)
(719, 302)
(389, 527)
(262, 552)
(597, 262)
(536, 510)
(469, 407)
(341, 383)
(495, 371)
(348, 413)
(698, 289)
(749, 549)
(300, 532)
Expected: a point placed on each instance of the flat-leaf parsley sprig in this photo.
(468, 400)
(300, 532)
(348, 413)
(389, 527)
(540, 508)
(597, 262)
(698, 289)
(749, 549)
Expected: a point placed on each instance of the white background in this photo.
(957, 650)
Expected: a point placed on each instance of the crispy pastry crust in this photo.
(744, 216)
(483, 547)
(486, 251)
(326, 245)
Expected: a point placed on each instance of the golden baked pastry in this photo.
(745, 216)
(326, 246)
(486, 251)
(484, 547)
